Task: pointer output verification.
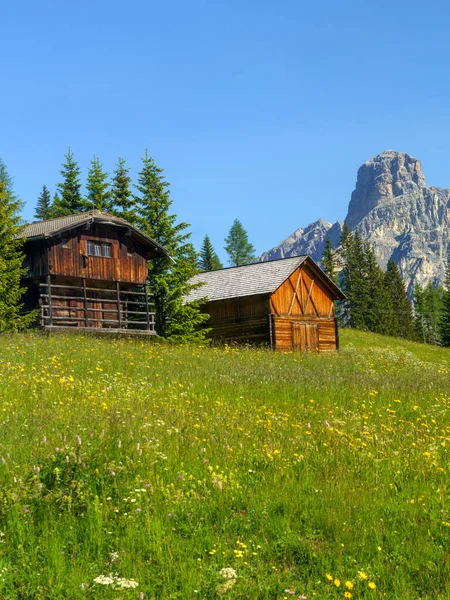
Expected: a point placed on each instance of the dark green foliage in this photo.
(378, 306)
(69, 200)
(400, 317)
(168, 278)
(329, 262)
(208, 259)
(122, 197)
(11, 259)
(444, 323)
(98, 192)
(353, 280)
(237, 246)
(428, 306)
(44, 205)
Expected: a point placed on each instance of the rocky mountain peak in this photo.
(382, 178)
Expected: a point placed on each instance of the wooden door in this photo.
(305, 337)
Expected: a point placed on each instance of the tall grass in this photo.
(126, 462)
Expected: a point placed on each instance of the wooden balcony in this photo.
(86, 307)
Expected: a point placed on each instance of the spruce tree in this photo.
(345, 276)
(70, 200)
(208, 259)
(44, 205)
(444, 323)
(11, 259)
(378, 308)
(168, 277)
(401, 314)
(237, 246)
(123, 203)
(428, 308)
(329, 262)
(97, 186)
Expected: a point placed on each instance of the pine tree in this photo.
(444, 323)
(123, 203)
(208, 259)
(329, 262)
(69, 200)
(401, 316)
(378, 309)
(428, 308)
(168, 278)
(237, 246)
(345, 276)
(98, 192)
(44, 205)
(11, 259)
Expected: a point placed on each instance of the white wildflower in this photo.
(104, 580)
(228, 573)
(126, 583)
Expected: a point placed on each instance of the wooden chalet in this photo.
(90, 271)
(287, 304)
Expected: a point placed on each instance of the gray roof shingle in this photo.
(52, 227)
(248, 280)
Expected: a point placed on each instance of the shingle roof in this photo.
(248, 280)
(53, 227)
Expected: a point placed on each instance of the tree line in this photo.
(377, 301)
(146, 204)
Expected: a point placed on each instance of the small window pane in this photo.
(97, 249)
(91, 248)
(107, 250)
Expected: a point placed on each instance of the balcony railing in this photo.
(105, 310)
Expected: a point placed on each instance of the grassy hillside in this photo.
(125, 462)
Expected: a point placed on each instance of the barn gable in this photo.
(287, 303)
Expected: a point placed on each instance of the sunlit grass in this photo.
(125, 461)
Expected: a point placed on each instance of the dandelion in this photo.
(329, 577)
(363, 575)
(337, 582)
(372, 585)
(348, 595)
(349, 585)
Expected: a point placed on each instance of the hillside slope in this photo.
(134, 469)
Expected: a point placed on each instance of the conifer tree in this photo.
(428, 306)
(11, 259)
(168, 278)
(97, 186)
(70, 200)
(401, 320)
(345, 276)
(208, 259)
(378, 309)
(44, 205)
(237, 246)
(123, 203)
(329, 261)
(444, 323)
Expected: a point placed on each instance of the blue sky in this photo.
(256, 110)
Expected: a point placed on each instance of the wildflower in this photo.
(104, 580)
(349, 585)
(337, 582)
(228, 573)
(126, 583)
(329, 577)
(372, 585)
(363, 575)
(170, 515)
(348, 595)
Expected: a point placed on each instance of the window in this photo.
(99, 249)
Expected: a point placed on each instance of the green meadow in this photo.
(135, 469)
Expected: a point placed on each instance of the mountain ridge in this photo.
(395, 211)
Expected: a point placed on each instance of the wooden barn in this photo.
(90, 271)
(287, 304)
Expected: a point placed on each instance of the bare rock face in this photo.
(380, 179)
(310, 240)
(396, 212)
